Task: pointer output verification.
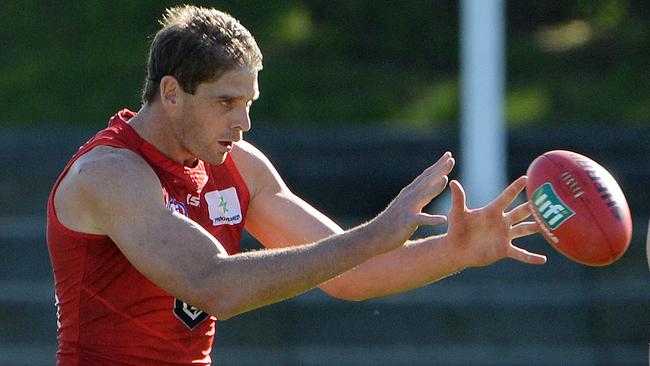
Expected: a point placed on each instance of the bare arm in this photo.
(279, 218)
(130, 211)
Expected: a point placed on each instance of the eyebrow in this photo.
(233, 97)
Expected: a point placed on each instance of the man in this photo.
(144, 222)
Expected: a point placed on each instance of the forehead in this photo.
(237, 83)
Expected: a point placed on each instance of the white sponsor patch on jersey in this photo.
(223, 207)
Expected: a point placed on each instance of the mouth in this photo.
(226, 144)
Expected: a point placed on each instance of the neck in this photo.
(154, 126)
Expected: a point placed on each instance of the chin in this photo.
(216, 159)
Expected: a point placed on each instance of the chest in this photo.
(218, 204)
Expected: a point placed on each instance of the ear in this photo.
(170, 91)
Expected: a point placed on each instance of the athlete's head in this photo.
(195, 45)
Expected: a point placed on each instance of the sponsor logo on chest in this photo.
(223, 207)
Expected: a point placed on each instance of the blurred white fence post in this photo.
(483, 155)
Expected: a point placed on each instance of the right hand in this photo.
(404, 214)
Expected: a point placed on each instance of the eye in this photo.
(227, 104)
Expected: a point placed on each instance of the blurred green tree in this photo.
(334, 61)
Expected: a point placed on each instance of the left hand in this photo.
(484, 236)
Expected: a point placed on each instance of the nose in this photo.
(242, 120)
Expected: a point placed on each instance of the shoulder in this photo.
(247, 153)
(256, 168)
(101, 182)
(105, 164)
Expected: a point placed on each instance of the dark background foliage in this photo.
(332, 62)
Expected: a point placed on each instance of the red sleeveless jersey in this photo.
(109, 313)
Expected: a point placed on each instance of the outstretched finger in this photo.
(524, 229)
(433, 191)
(440, 168)
(444, 163)
(519, 213)
(508, 196)
(525, 256)
(431, 220)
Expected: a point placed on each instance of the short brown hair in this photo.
(197, 44)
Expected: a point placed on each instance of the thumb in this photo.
(458, 198)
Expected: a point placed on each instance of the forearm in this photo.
(250, 280)
(279, 218)
(415, 264)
